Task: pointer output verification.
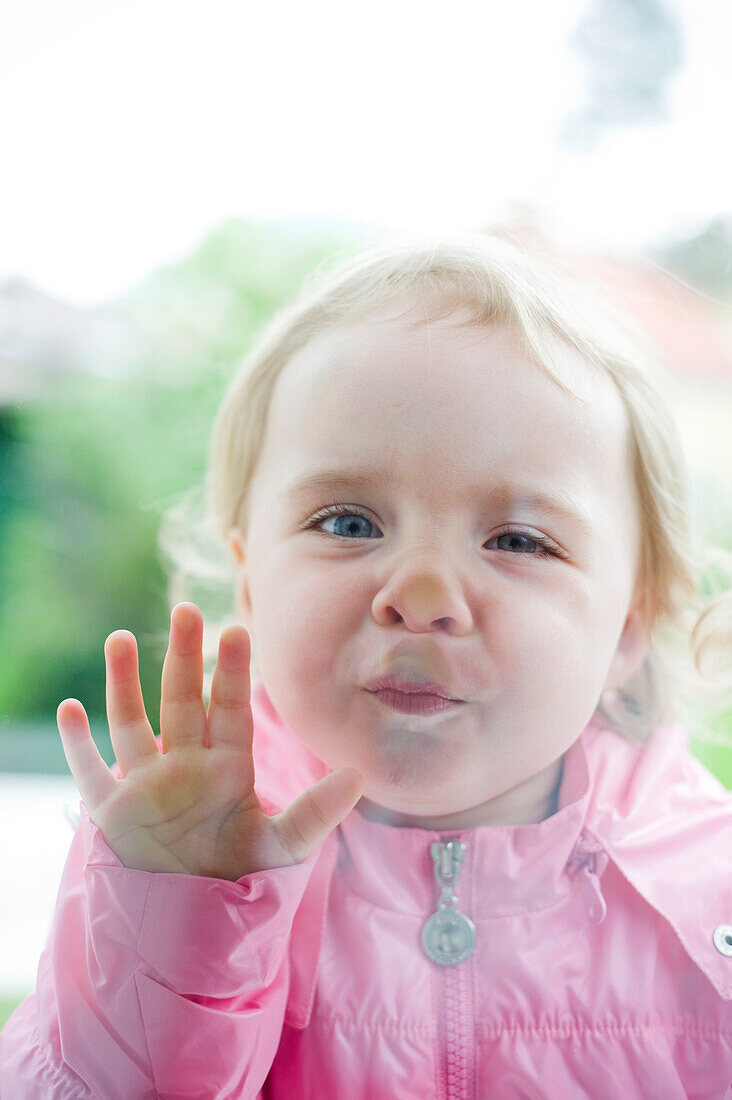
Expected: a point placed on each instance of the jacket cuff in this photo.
(197, 935)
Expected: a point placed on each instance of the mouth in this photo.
(408, 697)
(411, 687)
(414, 703)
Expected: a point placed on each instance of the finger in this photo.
(132, 736)
(229, 712)
(317, 811)
(182, 711)
(94, 780)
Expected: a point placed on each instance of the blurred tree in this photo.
(99, 458)
(10, 487)
(629, 49)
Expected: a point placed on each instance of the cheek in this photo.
(543, 631)
(302, 613)
(548, 657)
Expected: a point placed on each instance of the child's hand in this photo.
(192, 808)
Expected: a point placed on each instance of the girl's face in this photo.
(487, 538)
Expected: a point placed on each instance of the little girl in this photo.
(450, 841)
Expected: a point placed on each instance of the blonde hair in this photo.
(685, 587)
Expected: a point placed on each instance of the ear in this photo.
(632, 647)
(243, 602)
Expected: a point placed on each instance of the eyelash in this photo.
(547, 548)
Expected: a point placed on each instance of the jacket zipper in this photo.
(448, 938)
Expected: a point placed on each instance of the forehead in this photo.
(446, 396)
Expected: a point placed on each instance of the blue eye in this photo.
(350, 525)
(520, 537)
(351, 522)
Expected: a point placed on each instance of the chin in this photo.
(393, 799)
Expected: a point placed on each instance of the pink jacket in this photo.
(602, 965)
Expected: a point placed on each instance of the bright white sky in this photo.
(128, 128)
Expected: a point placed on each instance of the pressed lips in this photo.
(409, 687)
(407, 697)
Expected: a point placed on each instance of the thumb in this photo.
(306, 823)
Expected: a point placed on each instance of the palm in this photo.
(192, 812)
(191, 808)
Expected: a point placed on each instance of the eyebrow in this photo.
(507, 493)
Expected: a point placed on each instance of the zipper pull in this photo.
(448, 936)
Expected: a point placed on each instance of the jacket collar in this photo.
(506, 869)
(653, 809)
(666, 822)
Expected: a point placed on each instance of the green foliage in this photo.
(718, 758)
(91, 466)
(8, 1005)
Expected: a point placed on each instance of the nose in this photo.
(425, 598)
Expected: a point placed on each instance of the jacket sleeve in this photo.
(154, 985)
